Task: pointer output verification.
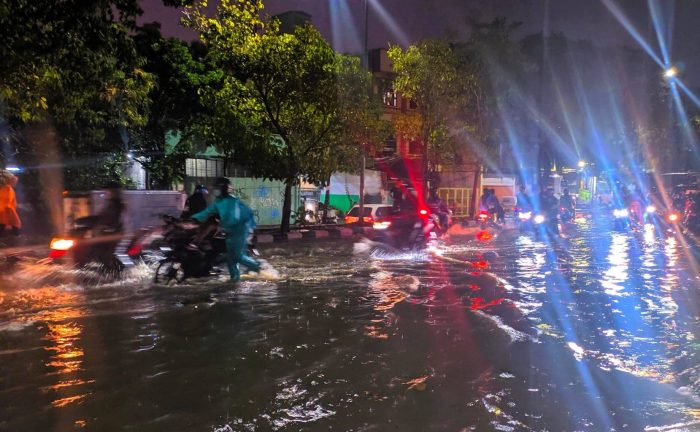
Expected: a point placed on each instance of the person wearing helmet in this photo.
(238, 221)
(196, 202)
(109, 219)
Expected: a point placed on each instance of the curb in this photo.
(334, 233)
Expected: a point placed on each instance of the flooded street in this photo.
(597, 331)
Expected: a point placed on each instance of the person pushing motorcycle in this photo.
(238, 221)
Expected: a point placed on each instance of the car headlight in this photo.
(524, 216)
(651, 209)
(621, 213)
(539, 219)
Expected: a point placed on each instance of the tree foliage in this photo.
(169, 135)
(432, 74)
(74, 69)
(289, 105)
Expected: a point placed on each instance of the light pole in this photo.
(364, 159)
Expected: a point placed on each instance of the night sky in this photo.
(341, 21)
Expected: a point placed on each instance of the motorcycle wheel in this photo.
(169, 271)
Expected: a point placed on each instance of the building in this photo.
(403, 157)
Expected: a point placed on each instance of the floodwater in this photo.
(594, 332)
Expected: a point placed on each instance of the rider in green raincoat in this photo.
(238, 221)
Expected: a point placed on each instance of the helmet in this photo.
(201, 188)
(222, 181)
(223, 186)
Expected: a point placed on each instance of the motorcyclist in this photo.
(523, 200)
(109, 219)
(196, 202)
(494, 206)
(566, 201)
(484, 202)
(634, 203)
(238, 221)
(396, 194)
(550, 207)
(439, 208)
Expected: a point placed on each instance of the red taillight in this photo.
(54, 253)
(484, 236)
(673, 217)
(483, 216)
(423, 212)
(368, 219)
(135, 249)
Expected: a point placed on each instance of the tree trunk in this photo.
(475, 191)
(287, 206)
(327, 201)
(47, 193)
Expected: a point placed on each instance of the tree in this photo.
(433, 76)
(284, 109)
(462, 91)
(70, 86)
(169, 135)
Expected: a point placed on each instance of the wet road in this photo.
(598, 331)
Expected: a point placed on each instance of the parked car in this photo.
(372, 213)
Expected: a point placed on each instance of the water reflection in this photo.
(600, 326)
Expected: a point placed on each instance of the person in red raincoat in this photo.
(9, 219)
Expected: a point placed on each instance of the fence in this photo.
(458, 200)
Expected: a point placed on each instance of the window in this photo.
(355, 211)
(382, 211)
(390, 99)
(204, 167)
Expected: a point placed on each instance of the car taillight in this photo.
(673, 217)
(483, 216)
(423, 212)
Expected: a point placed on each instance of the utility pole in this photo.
(364, 159)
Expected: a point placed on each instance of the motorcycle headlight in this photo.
(621, 213)
(61, 244)
(539, 219)
(651, 209)
(524, 216)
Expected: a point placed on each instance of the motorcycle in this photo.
(566, 214)
(530, 221)
(191, 251)
(621, 219)
(407, 230)
(487, 219)
(86, 243)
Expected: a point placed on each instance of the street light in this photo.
(582, 164)
(364, 159)
(671, 72)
